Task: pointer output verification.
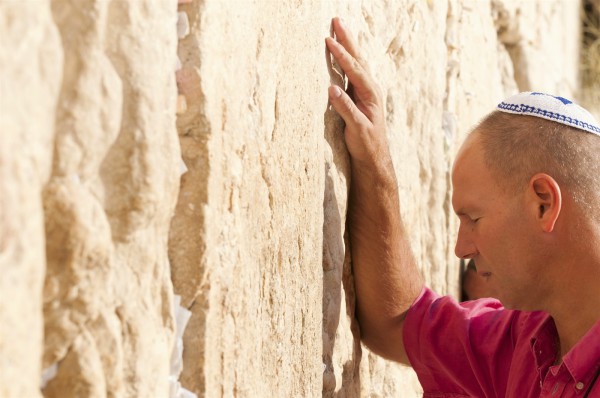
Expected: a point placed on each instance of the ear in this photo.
(547, 199)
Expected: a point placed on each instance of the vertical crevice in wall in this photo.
(509, 35)
(542, 58)
(187, 244)
(341, 336)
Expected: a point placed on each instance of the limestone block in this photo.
(107, 207)
(246, 240)
(30, 74)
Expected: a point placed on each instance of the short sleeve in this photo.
(461, 348)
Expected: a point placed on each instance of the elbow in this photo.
(385, 339)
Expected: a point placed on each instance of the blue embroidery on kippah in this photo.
(561, 99)
(564, 100)
(524, 108)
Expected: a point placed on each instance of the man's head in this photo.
(523, 187)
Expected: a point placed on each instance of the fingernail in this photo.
(335, 92)
(342, 23)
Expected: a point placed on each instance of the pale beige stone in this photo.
(83, 361)
(30, 74)
(107, 296)
(253, 200)
(539, 36)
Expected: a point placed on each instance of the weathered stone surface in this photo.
(107, 296)
(251, 202)
(108, 203)
(542, 52)
(253, 234)
(30, 75)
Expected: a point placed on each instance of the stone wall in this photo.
(152, 152)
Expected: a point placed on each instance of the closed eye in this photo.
(468, 218)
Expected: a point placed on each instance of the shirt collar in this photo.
(584, 358)
(582, 361)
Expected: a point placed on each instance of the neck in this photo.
(575, 311)
(570, 331)
(574, 297)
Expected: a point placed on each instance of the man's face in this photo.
(494, 228)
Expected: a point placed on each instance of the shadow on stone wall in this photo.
(341, 336)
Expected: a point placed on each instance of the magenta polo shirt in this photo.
(479, 349)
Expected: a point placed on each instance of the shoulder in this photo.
(479, 326)
(462, 346)
(431, 307)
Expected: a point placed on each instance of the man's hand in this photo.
(385, 276)
(362, 110)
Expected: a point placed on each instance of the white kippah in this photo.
(557, 109)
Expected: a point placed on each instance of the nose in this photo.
(465, 247)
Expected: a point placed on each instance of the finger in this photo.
(344, 37)
(346, 108)
(364, 88)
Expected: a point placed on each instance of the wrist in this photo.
(379, 171)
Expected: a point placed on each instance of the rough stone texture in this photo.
(253, 236)
(107, 296)
(112, 158)
(544, 57)
(30, 72)
(246, 240)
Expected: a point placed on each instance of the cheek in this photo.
(496, 242)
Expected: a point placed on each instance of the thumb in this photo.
(346, 108)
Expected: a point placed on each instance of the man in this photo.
(527, 193)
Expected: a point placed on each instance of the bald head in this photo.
(517, 146)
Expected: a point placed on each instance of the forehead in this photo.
(472, 183)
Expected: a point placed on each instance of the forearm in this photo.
(386, 278)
